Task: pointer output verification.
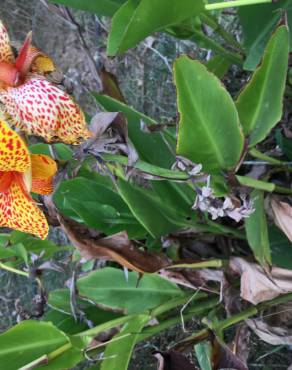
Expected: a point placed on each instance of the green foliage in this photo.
(111, 288)
(257, 230)
(209, 129)
(260, 102)
(136, 20)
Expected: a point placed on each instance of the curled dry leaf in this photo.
(225, 358)
(173, 360)
(270, 334)
(256, 286)
(116, 247)
(282, 216)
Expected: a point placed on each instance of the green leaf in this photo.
(156, 216)
(100, 7)
(150, 147)
(136, 20)
(62, 151)
(218, 65)
(27, 342)
(118, 352)
(260, 103)
(97, 206)
(257, 230)
(209, 130)
(284, 143)
(110, 287)
(204, 353)
(64, 322)
(281, 248)
(258, 22)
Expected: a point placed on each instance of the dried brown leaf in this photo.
(282, 216)
(274, 335)
(256, 285)
(116, 247)
(110, 85)
(173, 360)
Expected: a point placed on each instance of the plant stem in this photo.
(198, 265)
(230, 321)
(14, 270)
(212, 22)
(207, 42)
(257, 154)
(282, 190)
(235, 3)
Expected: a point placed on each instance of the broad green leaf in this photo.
(258, 22)
(257, 230)
(34, 245)
(64, 322)
(97, 206)
(155, 215)
(59, 299)
(218, 65)
(118, 352)
(62, 151)
(204, 353)
(27, 342)
(135, 20)
(281, 248)
(100, 7)
(284, 143)
(111, 288)
(209, 130)
(260, 103)
(150, 147)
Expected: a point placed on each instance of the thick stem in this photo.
(257, 154)
(12, 269)
(235, 3)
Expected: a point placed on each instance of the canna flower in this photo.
(32, 103)
(20, 174)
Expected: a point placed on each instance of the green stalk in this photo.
(212, 22)
(198, 265)
(12, 269)
(235, 3)
(209, 43)
(282, 190)
(257, 154)
(233, 320)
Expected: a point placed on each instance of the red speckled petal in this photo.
(6, 54)
(19, 212)
(40, 108)
(44, 169)
(14, 155)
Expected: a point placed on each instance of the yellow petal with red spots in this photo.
(40, 108)
(14, 155)
(43, 64)
(44, 169)
(6, 54)
(19, 212)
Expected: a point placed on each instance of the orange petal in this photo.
(19, 212)
(14, 155)
(40, 108)
(6, 54)
(44, 169)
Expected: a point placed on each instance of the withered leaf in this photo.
(110, 85)
(116, 247)
(282, 216)
(256, 285)
(270, 334)
(224, 358)
(173, 360)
